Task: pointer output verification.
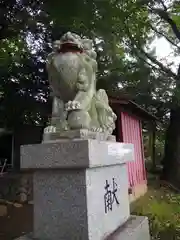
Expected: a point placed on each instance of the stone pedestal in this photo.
(80, 189)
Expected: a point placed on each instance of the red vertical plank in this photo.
(143, 157)
(137, 152)
(141, 153)
(132, 133)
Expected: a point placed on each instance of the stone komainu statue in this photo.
(77, 104)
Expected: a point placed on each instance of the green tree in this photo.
(29, 27)
(165, 22)
(23, 84)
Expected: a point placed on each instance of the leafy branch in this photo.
(165, 36)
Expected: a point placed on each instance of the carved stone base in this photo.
(77, 134)
(136, 228)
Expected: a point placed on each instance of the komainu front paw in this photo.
(97, 129)
(50, 129)
(72, 105)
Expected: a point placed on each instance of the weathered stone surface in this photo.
(136, 228)
(81, 190)
(78, 134)
(75, 154)
(72, 77)
(101, 220)
(60, 205)
(72, 202)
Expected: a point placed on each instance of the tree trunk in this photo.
(171, 161)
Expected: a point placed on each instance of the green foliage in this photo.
(28, 30)
(176, 18)
(120, 30)
(175, 12)
(163, 210)
(23, 81)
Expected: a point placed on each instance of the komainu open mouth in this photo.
(70, 47)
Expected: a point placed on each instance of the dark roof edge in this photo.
(145, 111)
(133, 104)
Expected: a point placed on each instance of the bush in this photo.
(163, 210)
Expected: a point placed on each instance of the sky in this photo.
(164, 53)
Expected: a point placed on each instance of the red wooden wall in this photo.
(132, 133)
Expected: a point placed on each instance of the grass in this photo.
(162, 206)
